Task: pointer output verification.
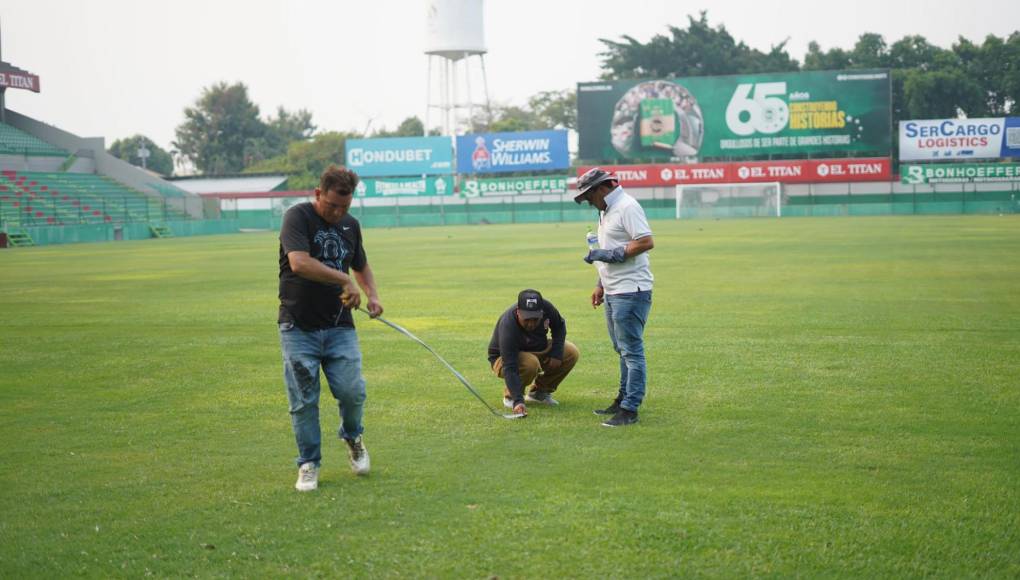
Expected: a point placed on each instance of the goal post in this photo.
(725, 200)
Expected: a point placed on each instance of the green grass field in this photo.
(827, 397)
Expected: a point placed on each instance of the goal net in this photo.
(726, 200)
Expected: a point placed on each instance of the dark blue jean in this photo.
(336, 351)
(626, 315)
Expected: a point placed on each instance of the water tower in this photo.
(455, 34)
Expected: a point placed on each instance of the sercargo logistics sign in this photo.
(406, 186)
(400, 156)
(959, 172)
(733, 116)
(523, 151)
(785, 171)
(934, 139)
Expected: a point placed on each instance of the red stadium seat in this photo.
(107, 219)
(96, 212)
(50, 220)
(39, 214)
(17, 203)
(86, 207)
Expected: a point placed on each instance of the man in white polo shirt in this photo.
(624, 284)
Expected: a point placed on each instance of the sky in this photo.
(115, 68)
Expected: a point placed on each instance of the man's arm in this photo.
(366, 280)
(302, 264)
(558, 328)
(509, 349)
(639, 246)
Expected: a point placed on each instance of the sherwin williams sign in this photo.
(400, 156)
(818, 112)
(959, 172)
(407, 186)
(513, 186)
(934, 139)
(502, 152)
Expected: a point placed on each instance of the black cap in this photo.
(529, 304)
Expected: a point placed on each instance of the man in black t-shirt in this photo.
(320, 243)
(520, 351)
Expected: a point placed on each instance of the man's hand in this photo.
(614, 256)
(374, 307)
(350, 297)
(553, 363)
(597, 296)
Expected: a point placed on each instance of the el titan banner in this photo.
(912, 174)
(936, 139)
(399, 156)
(503, 152)
(19, 80)
(818, 112)
(785, 171)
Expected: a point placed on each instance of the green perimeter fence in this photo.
(512, 210)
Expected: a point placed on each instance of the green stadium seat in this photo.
(16, 142)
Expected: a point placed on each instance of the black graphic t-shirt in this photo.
(308, 304)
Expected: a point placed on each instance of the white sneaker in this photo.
(307, 477)
(541, 398)
(359, 456)
(508, 402)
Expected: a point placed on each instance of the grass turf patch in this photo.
(826, 397)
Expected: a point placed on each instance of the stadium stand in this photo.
(16, 142)
(36, 199)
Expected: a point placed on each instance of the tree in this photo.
(222, 133)
(697, 50)
(220, 129)
(555, 109)
(305, 161)
(409, 127)
(159, 159)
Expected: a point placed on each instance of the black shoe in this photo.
(621, 418)
(612, 409)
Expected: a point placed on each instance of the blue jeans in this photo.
(626, 315)
(336, 351)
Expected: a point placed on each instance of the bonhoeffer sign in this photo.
(815, 112)
(784, 171)
(399, 156)
(521, 151)
(932, 139)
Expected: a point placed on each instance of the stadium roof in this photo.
(233, 184)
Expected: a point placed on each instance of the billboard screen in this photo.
(400, 156)
(818, 112)
(502, 152)
(934, 139)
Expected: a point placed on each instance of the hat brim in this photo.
(530, 314)
(580, 197)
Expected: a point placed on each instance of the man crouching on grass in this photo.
(520, 351)
(319, 244)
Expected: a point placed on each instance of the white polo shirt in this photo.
(623, 221)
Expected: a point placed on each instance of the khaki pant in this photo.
(530, 363)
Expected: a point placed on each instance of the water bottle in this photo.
(592, 239)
